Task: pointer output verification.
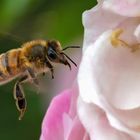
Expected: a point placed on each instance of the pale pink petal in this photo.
(113, 72)
(109, 76)
(101, 21)
(130, 8)
(96, 123)
(112, 75)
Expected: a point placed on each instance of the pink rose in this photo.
(109, 74)
(106, 107)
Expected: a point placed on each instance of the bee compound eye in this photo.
(52, 54)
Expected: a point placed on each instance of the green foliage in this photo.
(32, 19)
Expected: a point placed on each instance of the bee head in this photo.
(56, 54)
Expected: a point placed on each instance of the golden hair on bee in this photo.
(32, 58)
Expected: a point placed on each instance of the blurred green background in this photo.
(23, 20)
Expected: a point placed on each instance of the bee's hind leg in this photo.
(20, 97)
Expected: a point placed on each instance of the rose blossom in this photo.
(109, 74)
(108, 79)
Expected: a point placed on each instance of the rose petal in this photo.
(130, 8)
(61, 121)
(52, 127)
(112, 72)
(77, 131)
(75, 92)
(96, 123)
(101, 21)
(68, 124)
(108, 76)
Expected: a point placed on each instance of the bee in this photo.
(25, 63)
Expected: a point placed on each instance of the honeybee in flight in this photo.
(26, 62)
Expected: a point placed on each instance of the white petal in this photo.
(96, 21)
(128, 8)
(110, 72)
(96, 123)
(109, 77)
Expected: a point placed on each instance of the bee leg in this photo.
(48, 64)
(33, 76)
(20, 97)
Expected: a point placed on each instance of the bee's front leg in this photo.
(20, 97)
(48, 64)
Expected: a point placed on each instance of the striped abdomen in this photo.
(9, 65)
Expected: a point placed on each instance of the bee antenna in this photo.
(70, 47)
(69, 59)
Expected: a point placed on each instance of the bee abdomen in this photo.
(9, 64)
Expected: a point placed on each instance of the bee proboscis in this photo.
(32, 58)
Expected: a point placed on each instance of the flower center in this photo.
(116, 41)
